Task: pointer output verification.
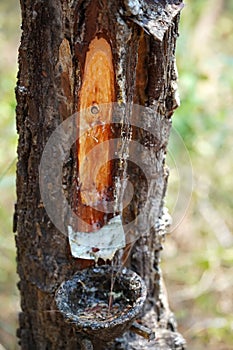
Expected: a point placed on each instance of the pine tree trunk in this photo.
(55, 41)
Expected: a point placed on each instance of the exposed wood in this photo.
(94, 127)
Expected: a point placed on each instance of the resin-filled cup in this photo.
(102, 302)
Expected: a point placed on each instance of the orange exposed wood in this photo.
(94, 128)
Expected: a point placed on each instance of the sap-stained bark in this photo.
(55, 39)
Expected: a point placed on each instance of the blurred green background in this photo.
(198, 255)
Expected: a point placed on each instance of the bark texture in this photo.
(55, 38)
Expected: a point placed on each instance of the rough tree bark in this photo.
(55, 40)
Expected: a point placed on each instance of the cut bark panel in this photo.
(94, 127)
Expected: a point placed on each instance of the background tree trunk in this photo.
(55, 39)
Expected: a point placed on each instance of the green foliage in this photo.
(198, 255)
(9, 37)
